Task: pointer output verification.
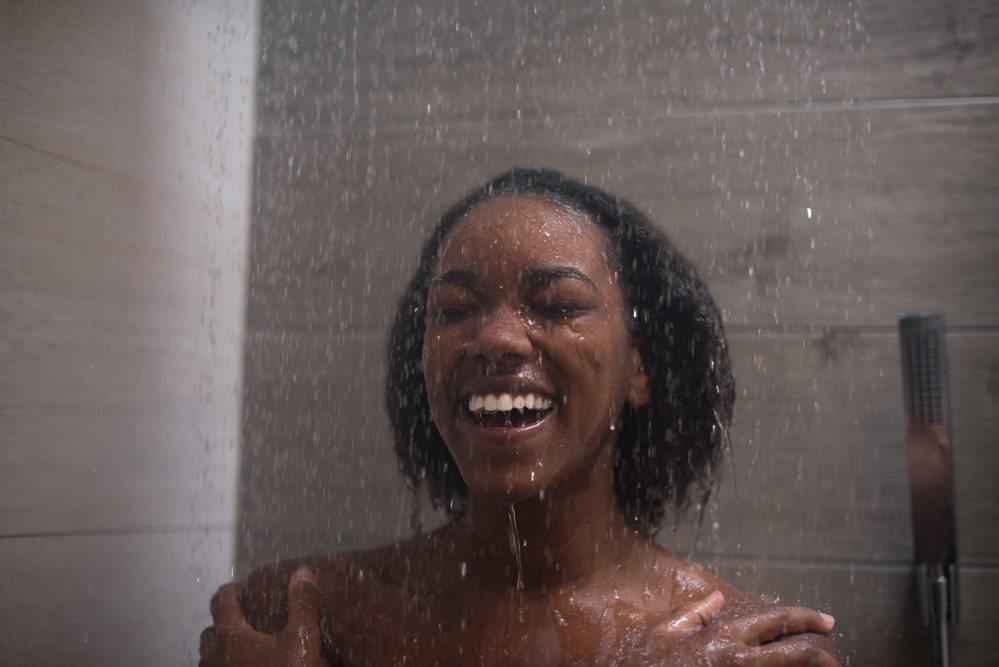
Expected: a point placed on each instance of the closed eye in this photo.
(451, 313)
(562, 309)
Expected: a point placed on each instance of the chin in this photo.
(506, 491)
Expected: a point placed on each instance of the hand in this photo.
(232, 640)
(777, 636)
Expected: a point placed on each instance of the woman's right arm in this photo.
(232, 640)
(264, 595)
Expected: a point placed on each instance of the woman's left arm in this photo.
(746, 606)
(712, 633)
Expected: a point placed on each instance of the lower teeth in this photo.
(508, 419)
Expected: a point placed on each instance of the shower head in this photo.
(931, 487)
(927, 408)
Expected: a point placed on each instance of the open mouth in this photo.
(507, 410)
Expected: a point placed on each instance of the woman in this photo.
(558, 375)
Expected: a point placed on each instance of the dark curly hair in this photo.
(669, 449)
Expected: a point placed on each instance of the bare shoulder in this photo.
(347, 580)
(693, 582)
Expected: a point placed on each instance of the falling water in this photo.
(515, 547)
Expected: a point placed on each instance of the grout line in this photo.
(86, 166)
(765, 108)
(864, 564)
(164, 529)
(145, 188)
(352, 334)
(870, 330)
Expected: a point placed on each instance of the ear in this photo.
(639, 391)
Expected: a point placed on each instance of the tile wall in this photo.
(827, 166)
(125, 154)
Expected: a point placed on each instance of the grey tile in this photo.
(387, 62)
(317, 466)
(876, 609)
(818, 467)
(134, 599)
(821, 219)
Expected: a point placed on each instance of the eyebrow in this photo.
(548, 274)
(535, 276)
(455, 277)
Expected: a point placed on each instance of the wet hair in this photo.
(668, 450)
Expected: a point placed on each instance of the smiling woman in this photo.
(533, 314)
(558, 377)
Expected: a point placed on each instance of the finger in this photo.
(300, 640)
(776, 622)
(790, 652)
(303, 599)
(225, 607)
(695, 615)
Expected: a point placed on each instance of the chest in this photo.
(476, 630)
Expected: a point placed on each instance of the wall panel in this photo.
(825, 219)
(390, 63)
(827, 166)
(125, 159)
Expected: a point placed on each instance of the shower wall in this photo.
(827, 166)
(125, 136)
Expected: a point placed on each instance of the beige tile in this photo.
(157, 93)
(133, 599)
(85, 255)
(384, 63)
(172, 464)
(120, 348)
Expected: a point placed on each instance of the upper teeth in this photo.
(507, 402)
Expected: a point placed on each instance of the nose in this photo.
(502, 337)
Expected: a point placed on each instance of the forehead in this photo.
(525, 231)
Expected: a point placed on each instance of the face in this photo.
(527, 359)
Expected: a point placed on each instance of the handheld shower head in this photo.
(927, 409)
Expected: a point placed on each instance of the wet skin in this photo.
(535, 308)
(524, 299)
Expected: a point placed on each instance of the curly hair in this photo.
(668, 449)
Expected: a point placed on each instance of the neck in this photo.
(570, 534)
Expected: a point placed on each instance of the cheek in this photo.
(597, 349)
(602, 363)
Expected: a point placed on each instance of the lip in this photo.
(522, 382)
(502, 436)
